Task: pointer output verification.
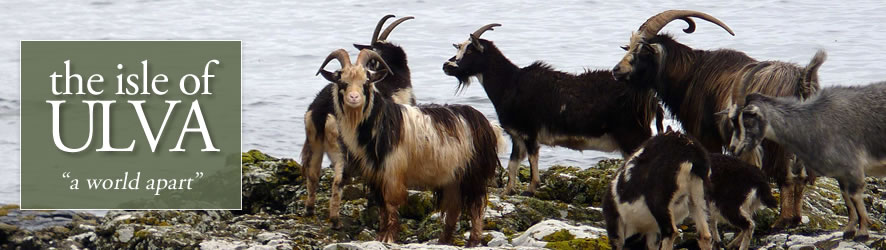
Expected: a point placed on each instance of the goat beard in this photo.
(351, 116)
(463, 83)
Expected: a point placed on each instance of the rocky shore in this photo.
(564, 214)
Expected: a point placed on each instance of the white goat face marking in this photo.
(462, 49)
(634, 47)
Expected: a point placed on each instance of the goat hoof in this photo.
(336, 223)
(527, 193)
(309, 211)
(848, 235)
(861, 238)
(785, 223)
(472, 243)
(508, 192)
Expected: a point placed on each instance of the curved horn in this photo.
(341, 55)
(378, 27)
(384, 35)
(365, 55)
(480, 31)
(655, 23)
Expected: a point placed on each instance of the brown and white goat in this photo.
(321, 132)
(658, 187)
(696, 84)
(537, 104)
(450, 149)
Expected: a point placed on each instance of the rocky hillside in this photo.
(565, 214)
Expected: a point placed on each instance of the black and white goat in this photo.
(737, 190)
(537, 104)
(450, 149)
(660, 185)
(321, 133)
(695, 84)
(838, 133)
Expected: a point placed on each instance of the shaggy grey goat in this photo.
(840, 132)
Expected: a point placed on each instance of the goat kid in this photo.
(837, 133)
(321, 132)
(450, 149)
(737, 190)
(695, 84)
(658, 187)
(539, 105)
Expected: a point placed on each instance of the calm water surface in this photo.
(285, 41)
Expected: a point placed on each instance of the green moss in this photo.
(418, 206)
(4, 210)
(601, 243)
(142, 234)
(561, 235)
(253, 156)
(525, 174)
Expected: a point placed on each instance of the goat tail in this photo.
(501, 144)
(810, 74)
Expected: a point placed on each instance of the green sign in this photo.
(130, 124)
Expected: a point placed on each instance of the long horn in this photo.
(341, 55)
(655, 23)
(480, 31)
(384, 35)
(365, 55)
(378, 27)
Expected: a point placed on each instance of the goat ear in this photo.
(476, 42)
(330, 76)
(669, 130)
(751, 110)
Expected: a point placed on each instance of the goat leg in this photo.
(852, 224)
(312, 172)
(337, 185)
(863, 219)
(451, 213)
(533, 165)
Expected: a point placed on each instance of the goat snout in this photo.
(618, 74)
(353, 99)
(449, 67)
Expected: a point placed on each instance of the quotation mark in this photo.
(199, 175)
(66, 175)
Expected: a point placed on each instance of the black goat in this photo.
(537, 104)
(321, 133)
(738, 189)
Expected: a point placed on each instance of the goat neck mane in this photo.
(691, 81)
(377, 133)
(499, 70)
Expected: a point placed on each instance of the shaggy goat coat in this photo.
(839, 133)
(696, 84)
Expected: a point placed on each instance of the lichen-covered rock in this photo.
(271, 185)
(577, 186)
(545, 232)
(564, 214)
